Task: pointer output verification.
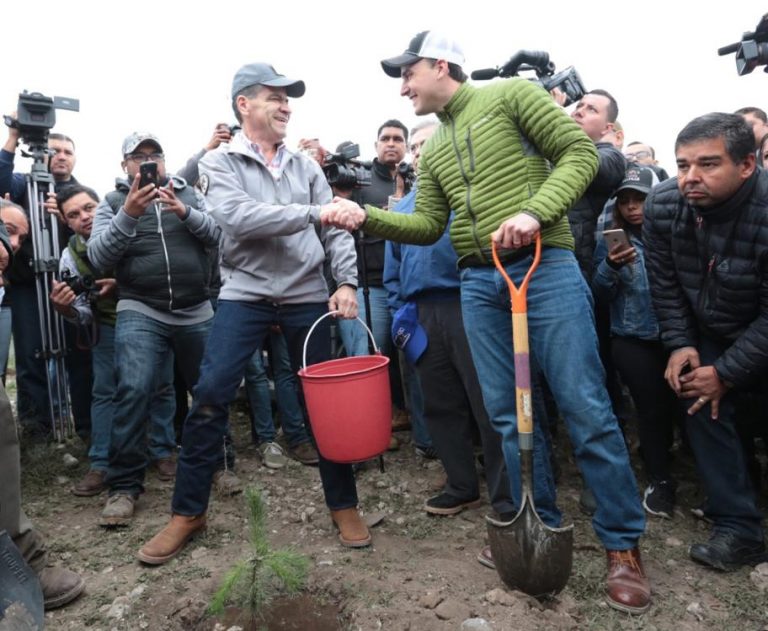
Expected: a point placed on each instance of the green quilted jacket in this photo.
(502, 149)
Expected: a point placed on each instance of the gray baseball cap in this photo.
(264, 74)
(137, 138)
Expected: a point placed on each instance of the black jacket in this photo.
(708, 271)
(583, 215)
(382, 186)
(165, 266)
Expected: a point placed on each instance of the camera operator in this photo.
(31, 374)
(388, 180)
(758, 120)
(88, 299)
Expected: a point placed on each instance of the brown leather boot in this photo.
(171, 540)
(60, 586)
(353, 532)
(627, 587)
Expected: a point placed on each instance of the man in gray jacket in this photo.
(267, 201)
(155, 238)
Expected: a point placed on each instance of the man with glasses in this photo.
(644, 155)
(155, 238)
(31, 374)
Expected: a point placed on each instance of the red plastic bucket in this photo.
(349, 404)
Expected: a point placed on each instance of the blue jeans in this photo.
(161, 439)
(238, 330)
(143, 347)
(355, 337)
(288, 407)
(564, 344)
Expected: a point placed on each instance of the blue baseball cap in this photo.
(407, 334)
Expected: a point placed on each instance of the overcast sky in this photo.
(167, 67)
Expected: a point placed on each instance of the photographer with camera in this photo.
(758, 121)
(153, 231)
(390, 180)
(31, 373)
(87, 299)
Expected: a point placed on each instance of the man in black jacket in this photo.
(706, 239)
(596, 114)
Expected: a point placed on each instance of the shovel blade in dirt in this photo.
(530, 556)
(21, 598)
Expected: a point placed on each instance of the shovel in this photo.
(21, 598)
(529, 555)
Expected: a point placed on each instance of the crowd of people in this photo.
(649, 288)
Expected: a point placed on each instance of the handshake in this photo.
(343, 213)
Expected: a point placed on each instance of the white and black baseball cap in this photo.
(426, 45)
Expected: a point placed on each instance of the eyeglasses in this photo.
(640, 155)
(145, 157)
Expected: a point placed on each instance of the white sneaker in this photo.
(272, 455)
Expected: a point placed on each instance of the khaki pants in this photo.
(12, 517)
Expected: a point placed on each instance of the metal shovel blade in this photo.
(21, 598)
(529, 555)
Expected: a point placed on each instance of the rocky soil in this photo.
(421, 573)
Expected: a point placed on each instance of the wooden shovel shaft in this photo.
(519, 306)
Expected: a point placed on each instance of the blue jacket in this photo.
(627, 289)
(416, 272)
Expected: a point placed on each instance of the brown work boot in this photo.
(627, 587)
(401, 421)
(59, 586)
(305, 453)
(227, 483)
(118, 511)
(166, 468)
(91, 484)
(353, 533)
(171, 540)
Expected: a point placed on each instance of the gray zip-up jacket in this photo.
(272, 246)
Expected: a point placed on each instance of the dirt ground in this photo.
(420, 574)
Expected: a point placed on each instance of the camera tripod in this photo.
(43, 230)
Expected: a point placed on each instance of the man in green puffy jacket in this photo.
(510, 162)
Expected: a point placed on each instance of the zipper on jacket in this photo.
(159, 214)
(466, 181)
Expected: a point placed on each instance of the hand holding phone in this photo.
(620, 250)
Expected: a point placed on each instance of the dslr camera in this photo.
(344, 171)
(81, 284)
(567, 80)
(752, 50)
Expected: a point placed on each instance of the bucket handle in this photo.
(330, 313)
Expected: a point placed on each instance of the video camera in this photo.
(752, 50)
(36, 116)
(567, 80)
(343, 171)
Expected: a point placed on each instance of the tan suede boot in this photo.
(171, 540)
(353, 532)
